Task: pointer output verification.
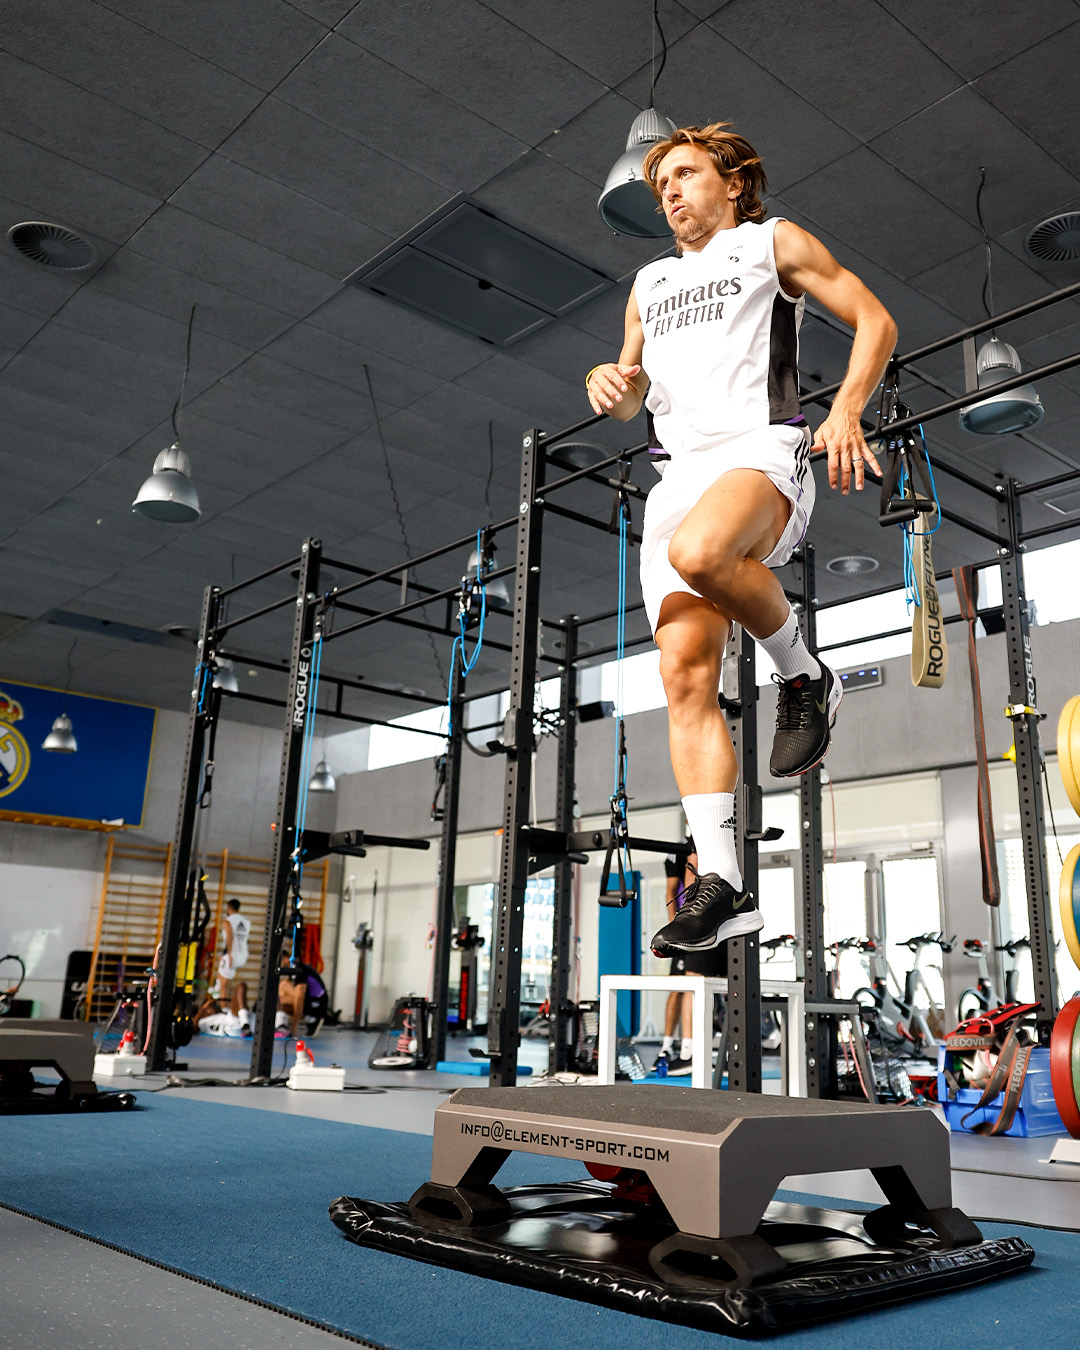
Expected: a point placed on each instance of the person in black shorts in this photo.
(712, 963)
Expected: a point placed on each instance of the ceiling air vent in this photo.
(466, 268)
(52, 245)
(1067, 505)
(1056, 239)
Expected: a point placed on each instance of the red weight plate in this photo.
(1061, 1076)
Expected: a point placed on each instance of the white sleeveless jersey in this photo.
(721, 341)
(241, 927)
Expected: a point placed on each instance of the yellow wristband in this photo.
(592, 373)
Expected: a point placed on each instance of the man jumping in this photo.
(717, 330)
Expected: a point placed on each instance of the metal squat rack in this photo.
(525, 849)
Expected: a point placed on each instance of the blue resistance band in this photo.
(913, 595)
(467, 662)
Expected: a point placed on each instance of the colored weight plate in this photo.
(1063, 1054)
(1069, 902)
(1068, 747)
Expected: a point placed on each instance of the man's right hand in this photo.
(607, 385)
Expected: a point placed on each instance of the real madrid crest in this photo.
(14, 751)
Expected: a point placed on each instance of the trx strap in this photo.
(618, 849)
(966, 582)
(918, 513)
(903, 461)
(295, 923)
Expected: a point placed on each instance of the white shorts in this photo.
(781, 453)
(226, 968)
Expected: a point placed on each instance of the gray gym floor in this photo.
(56, 1287)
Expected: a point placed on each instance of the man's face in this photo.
(695, 196)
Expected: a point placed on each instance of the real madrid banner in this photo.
(105, 780)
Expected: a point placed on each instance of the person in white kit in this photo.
(716, 328)
(236, 930)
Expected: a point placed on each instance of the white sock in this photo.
(668, 1046)
(245, 1017)
(686, 1050)
(788, 652)
(711, 818)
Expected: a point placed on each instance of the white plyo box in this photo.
(120, 1066)
(316, 1077)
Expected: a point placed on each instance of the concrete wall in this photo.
(50, 878)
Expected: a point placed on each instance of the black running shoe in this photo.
(805, 713)
(712, 912)
(680, 1068)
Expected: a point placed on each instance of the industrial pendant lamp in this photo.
(61, 739)
(1015, 409)
(322, 780)
(627, 204)
(169, 494)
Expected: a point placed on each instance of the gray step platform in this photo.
(680, 1222)
(715, 1159)
(67, 1047)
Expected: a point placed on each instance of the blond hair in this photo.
(731, 154)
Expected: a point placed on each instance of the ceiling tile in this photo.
(382, 106)
(831, 74)
(35, 372)
(943, 147)
(586, 36)
(793, 137)
(1033, 89)
(257, 208)
(151, 285)
(591, 142)
(890, 220)
(275, 382)
(303, 436)
(256, 39)
(536, 187)
(396, 382)
(293, 148)
(94, 48)
(480, 62)
(403, 335)
(222, 258)
(958, 283)
(39, 185)
(17, 327)
(92, 131)
(961, 35)
(37, 290)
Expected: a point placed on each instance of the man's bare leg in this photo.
(716, 550)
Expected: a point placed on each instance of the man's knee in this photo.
(689, 676)
(704, 563)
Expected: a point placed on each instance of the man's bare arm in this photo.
(805, 264)
(618, 388)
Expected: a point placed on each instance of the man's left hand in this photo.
(841, 435)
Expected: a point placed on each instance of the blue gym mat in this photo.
(239, 1197)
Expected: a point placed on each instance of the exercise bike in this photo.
(914, 980)
(983, 996)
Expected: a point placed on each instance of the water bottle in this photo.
(661, 1064)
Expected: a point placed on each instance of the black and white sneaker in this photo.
(712, 912)
(680, 1068)
(805, 713)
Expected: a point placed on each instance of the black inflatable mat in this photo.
(577, 1240)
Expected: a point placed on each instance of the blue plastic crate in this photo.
(1036, 1114)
